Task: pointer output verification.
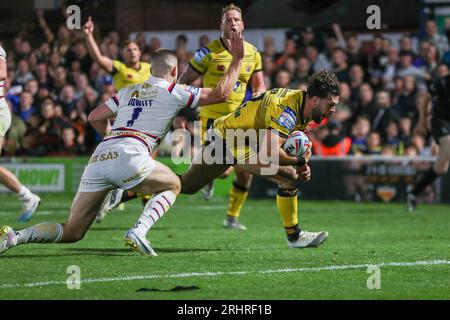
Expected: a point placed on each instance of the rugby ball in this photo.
(296, 143)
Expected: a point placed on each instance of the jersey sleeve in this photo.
(201, 60)
(187, 96)
(2, 53)
(114, 102)
(118, 66)
(258, 61)
(281, 119)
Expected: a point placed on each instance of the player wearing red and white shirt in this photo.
(29, 200)
(144, 114)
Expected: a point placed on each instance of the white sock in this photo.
(24, 193)
(155, 208)
(44, 232)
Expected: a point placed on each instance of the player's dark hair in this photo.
(323, 84)
(127, 42)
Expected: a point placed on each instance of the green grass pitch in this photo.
(194, 250)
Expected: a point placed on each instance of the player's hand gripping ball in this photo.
(297, 143)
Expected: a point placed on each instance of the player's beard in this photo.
(316, 115)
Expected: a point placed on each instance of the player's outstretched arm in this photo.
(226, 84)
(105, 62)
(188, 76)
(99, 119)
(3, 68)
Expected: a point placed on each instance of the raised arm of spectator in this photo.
(339, 35)
(105, 62)
(44, 26)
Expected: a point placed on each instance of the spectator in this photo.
(365, 105)
(439, 40)
(406, 102)
(407, 68)
(384, 113)
(405, 126)
(318, 60)
(23, 73)
(340, 65)
(392, 138)
(26, 107)
(360, 135)
(374, 144)
(334, 143)
(282, 79)
(390, 69)
(302, 71)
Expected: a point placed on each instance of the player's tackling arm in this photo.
(3, 68)
(105, 62)
(99, 118)
(226, 84)
(188, 76)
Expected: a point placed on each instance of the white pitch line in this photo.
(215, 274)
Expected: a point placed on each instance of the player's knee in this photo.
(188, 188)
(71, 235)
(176, 187)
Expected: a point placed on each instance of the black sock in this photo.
(425, 180)
(293, 233)
(127, 196)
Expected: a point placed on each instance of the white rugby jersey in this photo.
(2, 82)
(151, 107)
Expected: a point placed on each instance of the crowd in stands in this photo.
(53, 84)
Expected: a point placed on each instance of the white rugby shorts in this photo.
(117, 163)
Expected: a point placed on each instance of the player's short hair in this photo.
(230, 7)
(323, 84)
(163, 60)
(127, 42)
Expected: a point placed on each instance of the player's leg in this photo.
(200, 173)
(286, 178)
(238, 195)
(84, 208)
(30, 201)
(206, 124)
(428, 177)
(165, 187)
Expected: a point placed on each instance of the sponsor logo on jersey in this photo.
(287, 119)
(248, 68)
(221, 67)
(129, 76)
(200, 54)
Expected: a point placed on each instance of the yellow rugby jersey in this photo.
(212, 62)
(124, 76)
(279, 109)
